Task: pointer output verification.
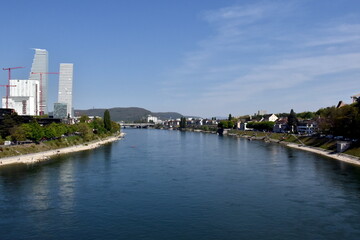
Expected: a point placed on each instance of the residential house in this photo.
(269, 118)
(280, 125)
(242, 126)
(307, 127)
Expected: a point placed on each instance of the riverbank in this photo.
(338, 156)
(43, 156)
(301, 146)
(294, 142)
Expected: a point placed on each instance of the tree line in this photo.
(13, 128)
(338, 121)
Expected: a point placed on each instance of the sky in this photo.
(200, 58)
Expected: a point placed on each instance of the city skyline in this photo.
(203, 58)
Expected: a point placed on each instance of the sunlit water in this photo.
(158, 184)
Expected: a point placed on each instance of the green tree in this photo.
(107, 120)
(261, 126)
(37, 132)
(182, 122)
(18, 133)
(7, 123)
(115, 127)
(231, 124)
(230, 117)
(292, 121)
(223, 124)
(326, 121)
(306, 115)
(226, 124)
(84, 118)
(50, 131)
(85, 131)
(98, 125)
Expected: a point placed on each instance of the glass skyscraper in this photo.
(40, 64)
(66, 86)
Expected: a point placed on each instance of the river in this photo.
(158, 184)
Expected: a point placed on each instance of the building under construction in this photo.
(24, 97)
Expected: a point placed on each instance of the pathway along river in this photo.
(158, 184)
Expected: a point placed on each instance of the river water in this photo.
(158, 184)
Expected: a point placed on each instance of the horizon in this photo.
(203, 58)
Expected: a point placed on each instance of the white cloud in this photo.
(253, 53)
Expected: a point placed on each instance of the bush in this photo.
(261, 126)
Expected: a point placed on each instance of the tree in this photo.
(6, 124)
(115, 127)
(223, 124)
(182, 122)
(261, 126)
(231, 124)
(306, 115)
(292, 120)
(107, 120)
(230, 117)
(226, 124)
(50, 131)
(37, 132)
(18, 133)
(98, 125)
(84, 118)
(85, 131)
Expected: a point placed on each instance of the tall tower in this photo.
(66, 86)
(40, 64)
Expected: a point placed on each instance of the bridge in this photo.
(136, 125)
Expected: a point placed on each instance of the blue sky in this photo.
(204, 57)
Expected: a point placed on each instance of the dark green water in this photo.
(172, 185)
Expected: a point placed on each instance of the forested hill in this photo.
(128, 114)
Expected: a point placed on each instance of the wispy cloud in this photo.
(338, 34)
(256, 50)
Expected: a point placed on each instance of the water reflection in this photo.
(66, 183)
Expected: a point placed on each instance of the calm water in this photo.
(173, 185)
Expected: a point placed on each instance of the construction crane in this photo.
(8, 85)
(41, 112)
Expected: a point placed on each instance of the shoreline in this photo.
(337, 156)
(342, 157)
(43, 156)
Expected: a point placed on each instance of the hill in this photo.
(129, 114)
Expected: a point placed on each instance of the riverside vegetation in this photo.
(53, 136)
(343, 122)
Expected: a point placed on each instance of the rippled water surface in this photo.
(158, 184)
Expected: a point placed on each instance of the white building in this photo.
(307, 127)
(24, 97)
(242, 126)
(269, 118)
(40, 65)
(153, 119)
(66, 86)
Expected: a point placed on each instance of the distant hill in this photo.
(127, 114)
(167, 115)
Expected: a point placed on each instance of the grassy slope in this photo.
(15, 150)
